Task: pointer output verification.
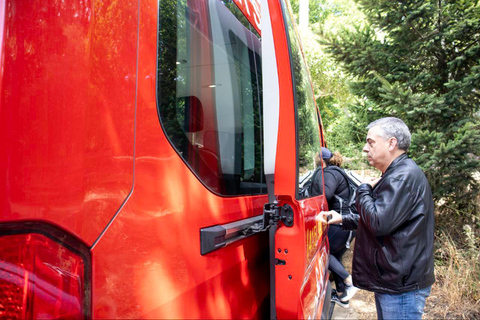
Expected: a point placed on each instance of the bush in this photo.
(456, 293)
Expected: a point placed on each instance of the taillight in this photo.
(41, 278)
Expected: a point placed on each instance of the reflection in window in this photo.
(307, 125)
(209, 93)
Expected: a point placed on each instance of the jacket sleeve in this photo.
(392, 207)
(331, 184)
(350, 221)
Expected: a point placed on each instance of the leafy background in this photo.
(419, 61)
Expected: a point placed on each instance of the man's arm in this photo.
(391, 209)
(348, 221)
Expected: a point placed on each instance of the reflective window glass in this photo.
(308, 135)
(209, 93)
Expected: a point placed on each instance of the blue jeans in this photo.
(407, 305)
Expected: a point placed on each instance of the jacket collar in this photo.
(395, 162)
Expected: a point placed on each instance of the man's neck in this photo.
(397, 153)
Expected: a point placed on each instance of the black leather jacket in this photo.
(394, 247)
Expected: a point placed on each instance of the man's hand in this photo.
(329, 217)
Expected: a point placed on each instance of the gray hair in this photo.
(393, 127)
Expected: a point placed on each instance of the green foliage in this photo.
(317, 10)
(449, 163)
(333, 97)
(309, 142)
(420, 61)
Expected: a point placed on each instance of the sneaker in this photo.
(348, 293)
(343, 304)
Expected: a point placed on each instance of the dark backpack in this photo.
(353, 184)
(306, 189)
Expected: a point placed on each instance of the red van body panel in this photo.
(85, 154)
(67, 112)
(159, 276)
(286, 148)
(303, 246)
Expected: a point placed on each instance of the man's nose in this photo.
(365, 148)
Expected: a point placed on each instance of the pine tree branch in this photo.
(461, 53)
(442, 59)
(466, 48)
(404, 14)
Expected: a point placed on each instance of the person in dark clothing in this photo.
(336, 190)
(393, 254)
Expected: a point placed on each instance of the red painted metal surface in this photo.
(67, 112)
(286, 152)
(157, 270)
(251, 10)
(72, 107)
(299, 283)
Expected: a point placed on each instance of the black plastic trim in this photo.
(219, 236)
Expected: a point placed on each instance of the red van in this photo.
(151, 161)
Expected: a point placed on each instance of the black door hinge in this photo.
(273, 213)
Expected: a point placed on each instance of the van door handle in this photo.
(219, 236)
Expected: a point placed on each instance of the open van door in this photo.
(298, 244)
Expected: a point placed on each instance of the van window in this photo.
(308, 133)
(209, 93)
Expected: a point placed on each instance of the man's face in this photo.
(377, 149)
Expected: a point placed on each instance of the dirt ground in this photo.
(362, 305)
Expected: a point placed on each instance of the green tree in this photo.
(315, 8)
(335, 101)
(420, 61)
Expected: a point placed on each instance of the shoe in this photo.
(348, 293)
(343, 304)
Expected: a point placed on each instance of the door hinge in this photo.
(273, 213)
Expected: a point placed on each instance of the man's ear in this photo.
(392, 143)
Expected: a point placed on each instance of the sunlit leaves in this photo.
(420, 61)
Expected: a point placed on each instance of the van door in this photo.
(298, 245)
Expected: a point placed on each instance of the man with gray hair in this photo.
(393, 255)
